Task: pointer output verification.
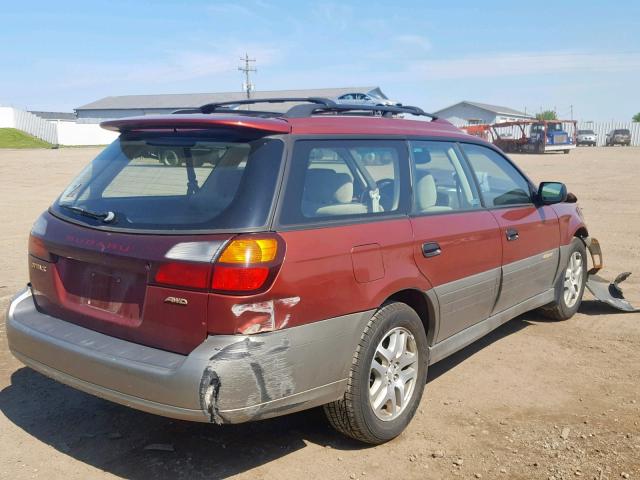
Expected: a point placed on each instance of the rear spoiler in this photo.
(198, 122)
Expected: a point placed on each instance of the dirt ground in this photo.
(534, 399)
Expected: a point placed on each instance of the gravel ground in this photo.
(534, 399)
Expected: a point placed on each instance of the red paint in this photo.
(367, 263)
(195, 121)
(538, 231)
(570, 221)
(318, 269)
(470, 244)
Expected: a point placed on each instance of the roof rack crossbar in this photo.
(214, 107)
(301, 111)
(308, 106)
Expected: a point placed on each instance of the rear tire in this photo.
(570, 285)
(387, 377)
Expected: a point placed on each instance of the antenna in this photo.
(247, 86)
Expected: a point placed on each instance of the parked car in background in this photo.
(618, 136)
(359, 98)
(321, 259)
(586, 137)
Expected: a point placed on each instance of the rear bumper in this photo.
(227, 379)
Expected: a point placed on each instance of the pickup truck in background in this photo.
(619, 136)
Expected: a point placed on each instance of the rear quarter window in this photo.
(345, 179)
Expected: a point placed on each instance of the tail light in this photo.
(38, 249)
(187, 275)
(247, 264)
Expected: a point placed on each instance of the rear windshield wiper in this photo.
(107, 217)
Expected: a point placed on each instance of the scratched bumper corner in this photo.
(226, 379)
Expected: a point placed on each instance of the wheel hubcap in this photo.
(573, 279)
(393, 374)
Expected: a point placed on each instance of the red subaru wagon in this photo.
(226, 265)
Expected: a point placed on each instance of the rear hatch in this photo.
(127, 248)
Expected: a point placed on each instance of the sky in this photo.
(533, 55)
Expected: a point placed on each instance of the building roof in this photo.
(54, 115)
(491, 108)
(194, 100)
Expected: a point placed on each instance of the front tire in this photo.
(387, 377)
(570, 285)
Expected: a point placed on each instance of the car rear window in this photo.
(167, 183)
(621, 132)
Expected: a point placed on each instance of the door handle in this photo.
(512, 234)
(431, 249)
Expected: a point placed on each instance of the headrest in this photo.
(326, 186)
(426, 193)
(421, 155)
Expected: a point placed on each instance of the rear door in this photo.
(530, 234)
(347, 251)
(456, 241)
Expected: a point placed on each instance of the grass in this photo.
(12, 138)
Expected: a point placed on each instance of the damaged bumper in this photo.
(227, 379)
(604, 290)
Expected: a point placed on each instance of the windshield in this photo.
(176, 183)
(585, 132)
(621, 132)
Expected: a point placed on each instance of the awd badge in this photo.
(176, 300)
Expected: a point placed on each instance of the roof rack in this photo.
(308, 107)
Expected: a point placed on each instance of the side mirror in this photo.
(552, 192)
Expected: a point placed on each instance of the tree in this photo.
(547, 115)
(636, 117)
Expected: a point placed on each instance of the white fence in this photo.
(36, 126)
(72, 133)
(57, 132)
(602, 128)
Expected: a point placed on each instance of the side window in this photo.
(441, 181)
(344, 178)
(500, 182)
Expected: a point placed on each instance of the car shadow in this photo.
(113, 438)
(597, 308)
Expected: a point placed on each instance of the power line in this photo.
(246, 68)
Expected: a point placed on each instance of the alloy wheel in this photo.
(393, 374)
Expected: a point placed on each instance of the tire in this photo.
(568, 298)
(567, 151)
(170, 158)
(354, 415)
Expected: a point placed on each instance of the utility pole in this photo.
(246, 68)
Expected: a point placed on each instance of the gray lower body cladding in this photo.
(227, 379)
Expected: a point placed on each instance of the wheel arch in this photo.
(425, 305)
(581, 232)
